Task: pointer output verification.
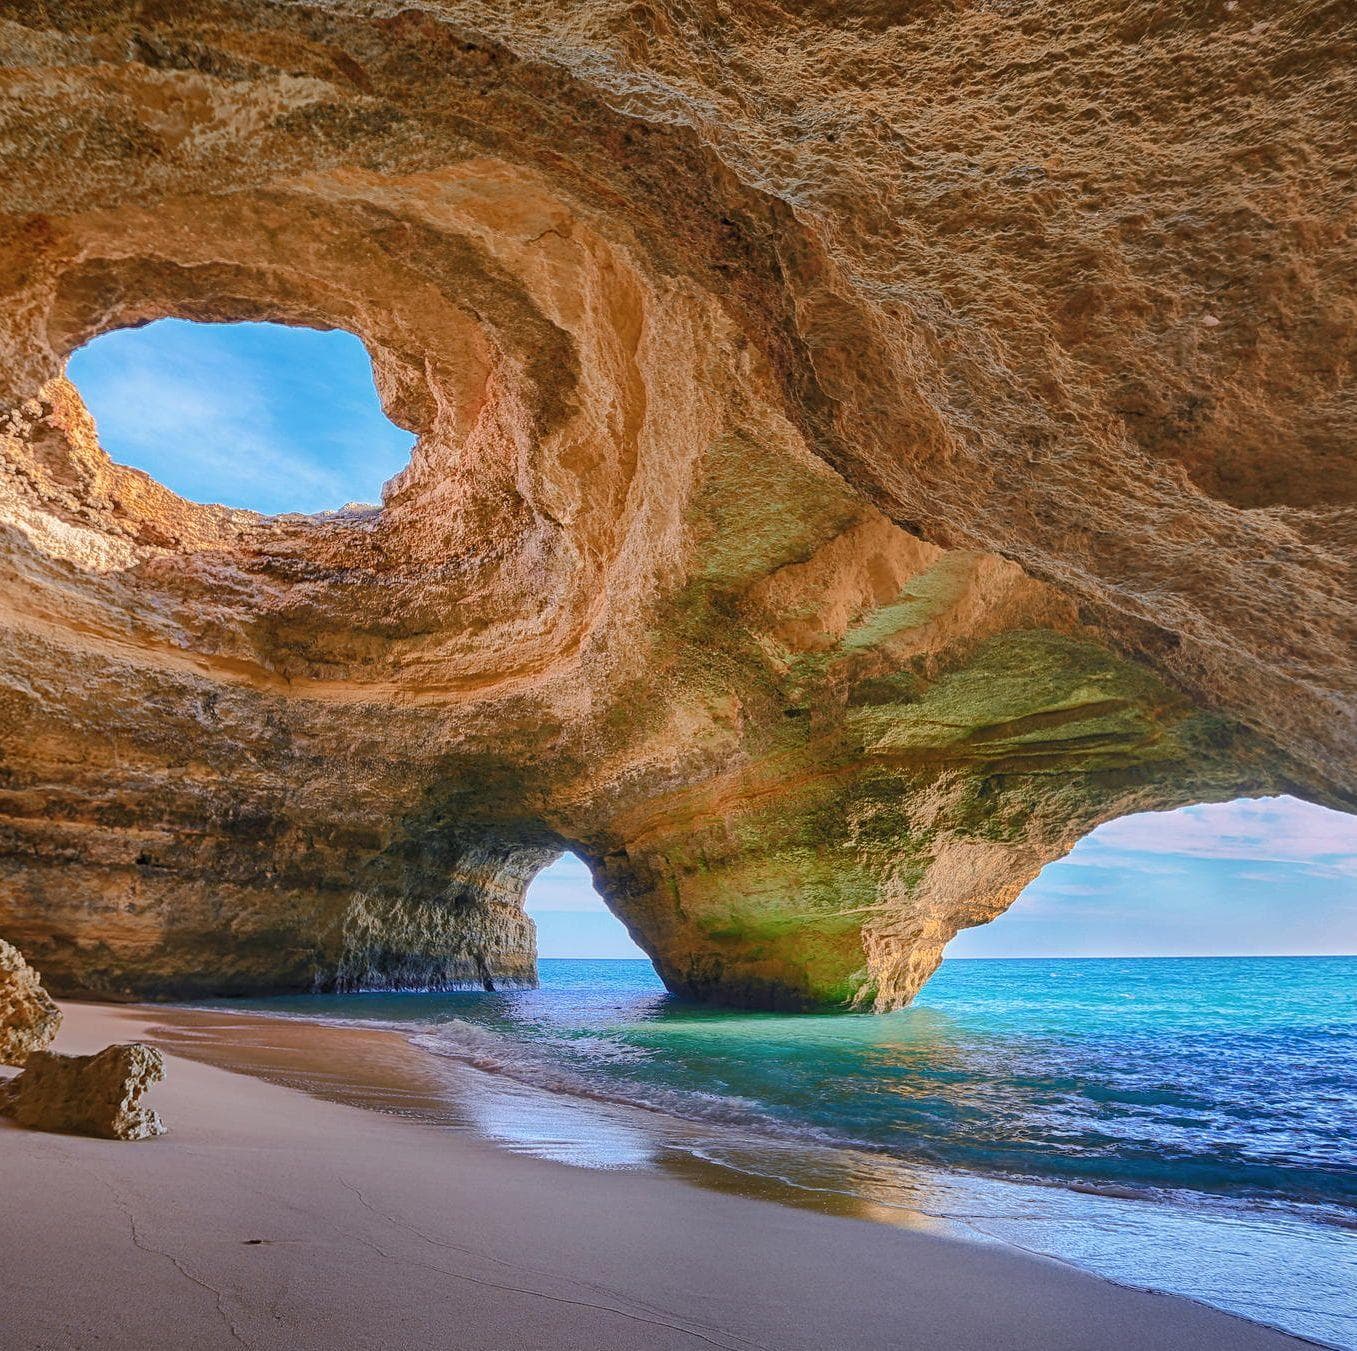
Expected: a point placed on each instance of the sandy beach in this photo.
(270, 1219)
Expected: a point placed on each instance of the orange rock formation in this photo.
(861, 448)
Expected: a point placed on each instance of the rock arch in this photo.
(822, 514)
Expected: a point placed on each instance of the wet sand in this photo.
(271, 1218)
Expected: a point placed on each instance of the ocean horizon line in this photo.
(1077, 957)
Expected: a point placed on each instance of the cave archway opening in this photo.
(1253, 877)
(573, 921)
(268, 417)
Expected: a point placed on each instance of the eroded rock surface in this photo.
(29, 1018)
(88, 1094)
(861, 448)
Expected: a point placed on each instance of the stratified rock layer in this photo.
(861, 448)
(29, 1018)
(88, 1094)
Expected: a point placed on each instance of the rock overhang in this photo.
(817, 592)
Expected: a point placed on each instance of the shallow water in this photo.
(1183, 1124)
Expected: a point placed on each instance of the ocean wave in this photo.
(532, 1065)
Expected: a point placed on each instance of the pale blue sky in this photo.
(248, 415)
(275, 419)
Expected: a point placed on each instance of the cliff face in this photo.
(859, 451)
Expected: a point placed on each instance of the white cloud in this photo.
(1092, 853)
(564, 886)
(1260, 830)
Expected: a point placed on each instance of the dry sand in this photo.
(271, 1219)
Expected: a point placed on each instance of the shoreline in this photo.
(381, 1232)
(467, 1068)
(1120, 1234)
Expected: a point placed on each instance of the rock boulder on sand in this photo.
(88, 1094)
(28, 1017)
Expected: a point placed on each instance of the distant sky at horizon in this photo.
(1254, 877)
(285, 419)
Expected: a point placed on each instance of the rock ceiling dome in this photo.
(860, 449)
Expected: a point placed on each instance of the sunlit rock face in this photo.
(860, 450)
(29, 1019)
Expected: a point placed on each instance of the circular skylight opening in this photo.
(262, 416)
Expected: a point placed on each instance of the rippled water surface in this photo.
(1186, 1124)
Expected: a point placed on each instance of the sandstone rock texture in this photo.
(862, 447)
(29, 1018)
(88, 1094)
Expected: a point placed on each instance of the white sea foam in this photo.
(538, 1065)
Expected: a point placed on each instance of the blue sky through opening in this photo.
(284, 419)
(247, 415)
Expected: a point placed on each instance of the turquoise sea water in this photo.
(1184, 1124)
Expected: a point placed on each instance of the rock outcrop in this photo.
(29, 1018)
(88, 1094)
(861, 448)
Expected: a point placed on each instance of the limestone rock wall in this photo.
(860, 449)
(29, 1018)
